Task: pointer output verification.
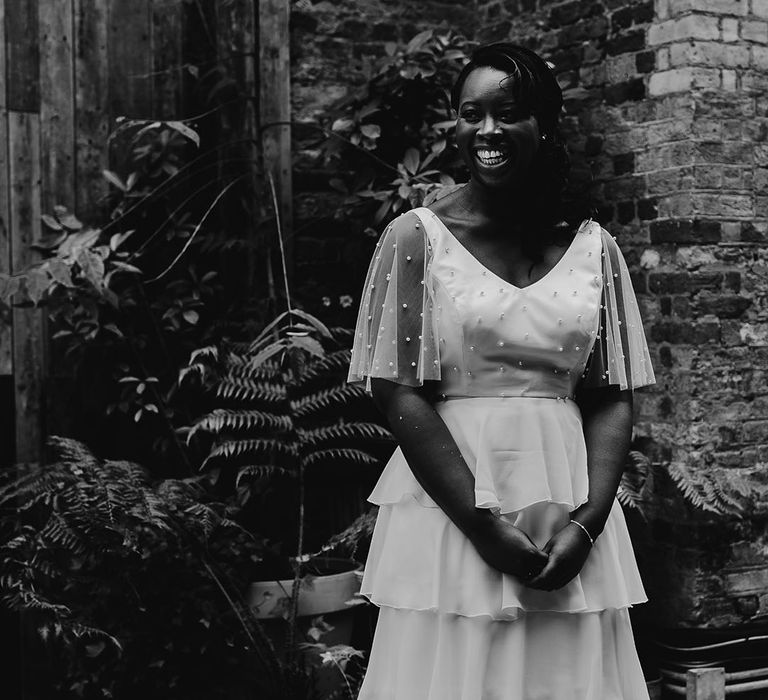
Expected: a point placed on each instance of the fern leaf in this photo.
(343, 454)
(236, 448)
(341, 394)
(341, 431)
(222, 419)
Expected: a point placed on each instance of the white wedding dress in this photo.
(507, 360)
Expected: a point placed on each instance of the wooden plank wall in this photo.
(68, 68)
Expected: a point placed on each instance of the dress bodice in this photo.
(496, 339)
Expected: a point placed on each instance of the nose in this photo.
(489, 126)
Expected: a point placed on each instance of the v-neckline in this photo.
(498, 277)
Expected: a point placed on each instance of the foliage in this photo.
(178, 559)
(722, 492)
(392, 133)
(130, 298)
(279, 404)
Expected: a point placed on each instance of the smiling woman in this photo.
(503, 347)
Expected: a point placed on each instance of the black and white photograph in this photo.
(383, 349)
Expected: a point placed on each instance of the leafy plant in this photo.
(391, 135)
(711, 489)
(128, 579)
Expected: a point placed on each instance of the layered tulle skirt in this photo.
(453, 628)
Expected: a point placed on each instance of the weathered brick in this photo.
(623, 163)
(646, 209)
(723, 7)
(685, 231)
(687, 27)
(759, 8)
(727, 306)
(730, 29)
(625, 212)
(624, 92)
(756, 31)
(723, 205)
(645, 61)
(626, 42)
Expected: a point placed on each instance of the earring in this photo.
(543, 137)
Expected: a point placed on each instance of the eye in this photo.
(470, 115)
(513, 115)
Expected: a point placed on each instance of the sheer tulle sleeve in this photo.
(396, 336)
(620, 355)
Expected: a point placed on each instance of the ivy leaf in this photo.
(61, 272)
(371, 131)
(191, 316)
(411, 161)
(114, 179)
(51, 222)
(418, 41)
(37, 283)
(8, 287)
(185, 131)
(92, 267)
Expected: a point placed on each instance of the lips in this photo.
(492, 156)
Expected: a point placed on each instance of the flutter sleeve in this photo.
(620, 354)
(396, 336)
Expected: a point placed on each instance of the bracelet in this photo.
(586, 532)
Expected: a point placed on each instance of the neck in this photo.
(486, 202)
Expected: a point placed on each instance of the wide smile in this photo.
(492, 157)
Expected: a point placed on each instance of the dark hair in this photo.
(532, 82)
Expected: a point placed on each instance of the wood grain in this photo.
(167, 64)
(57, 104)
(28, 324)
(275, 105)
(130, 63)
(22, 56)
(91, 103)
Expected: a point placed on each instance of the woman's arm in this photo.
(437, 464)
(607, 419)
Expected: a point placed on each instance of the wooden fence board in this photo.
(57, 104)
(6, 339)
(22, 56)
(91, 103)
(167, 64)
(3, 80)
(130, 64)
(275, 104)
(28, 350)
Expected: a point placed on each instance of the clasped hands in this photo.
(509, 549)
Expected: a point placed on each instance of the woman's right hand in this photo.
(508, 549)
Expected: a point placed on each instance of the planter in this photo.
(742, 651)
(330, 588)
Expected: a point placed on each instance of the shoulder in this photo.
(611, 250)
(405, 234)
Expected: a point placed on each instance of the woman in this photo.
(504, 359)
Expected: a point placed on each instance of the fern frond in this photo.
(259, 471)
(236, 448)
(344, 454)
(341, 394)
(232, 419)
(244, 389)
(336, 361)
(343, 430)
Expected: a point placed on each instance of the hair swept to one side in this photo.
(532, 83)
(530, 80)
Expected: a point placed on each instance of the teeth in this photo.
(490, 154)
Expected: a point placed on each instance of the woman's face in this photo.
(496, 137)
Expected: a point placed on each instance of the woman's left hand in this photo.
(568, 549)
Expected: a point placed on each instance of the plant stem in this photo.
(279, 225)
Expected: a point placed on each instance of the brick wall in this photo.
(667, 120)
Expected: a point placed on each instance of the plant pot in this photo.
(742, 651)
(329, 589)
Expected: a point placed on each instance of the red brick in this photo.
(685, 231)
